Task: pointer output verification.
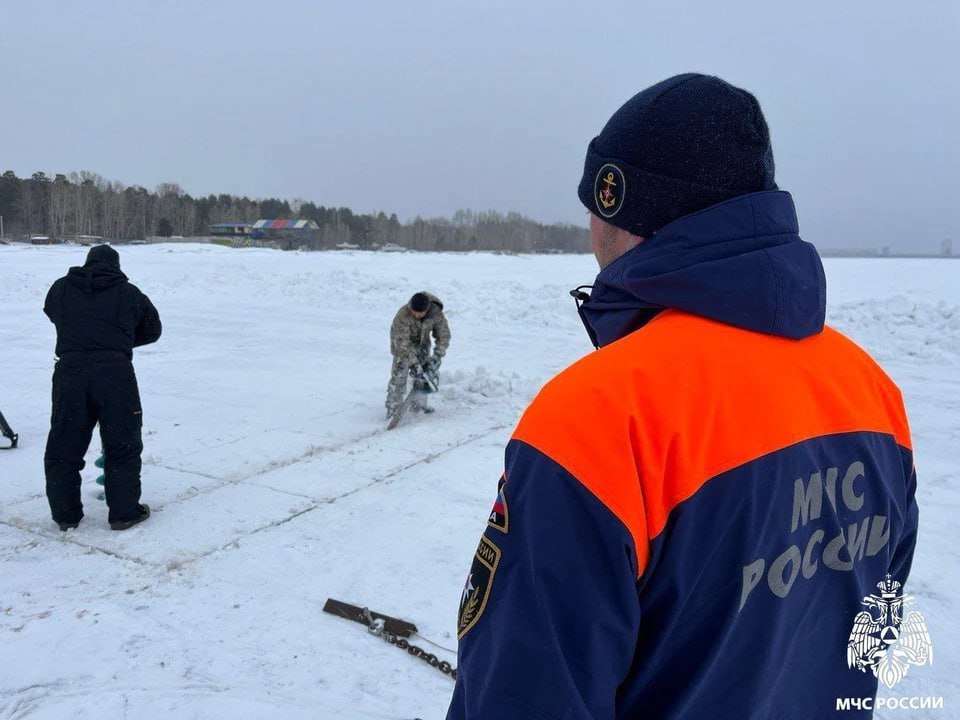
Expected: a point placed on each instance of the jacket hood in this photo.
(103, 254)
(95, 277)
(740, 262)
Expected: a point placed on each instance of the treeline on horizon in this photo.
(78, 204)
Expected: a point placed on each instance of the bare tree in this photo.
(61, 197)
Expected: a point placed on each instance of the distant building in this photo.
(286, 233)
(230, 229)
(946, 248)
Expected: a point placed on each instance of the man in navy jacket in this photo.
(691, 518)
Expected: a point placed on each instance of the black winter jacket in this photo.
(96, 308)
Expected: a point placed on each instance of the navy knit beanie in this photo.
(679, 146)
(103, 254)
(420, 302)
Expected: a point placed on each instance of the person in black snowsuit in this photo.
(100, 317)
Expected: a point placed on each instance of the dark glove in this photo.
(432, 364)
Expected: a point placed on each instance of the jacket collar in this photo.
(740, 262)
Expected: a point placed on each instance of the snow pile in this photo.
(898, 326)
(480, 386)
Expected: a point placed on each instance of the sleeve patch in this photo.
(499, 518)
(476, 590)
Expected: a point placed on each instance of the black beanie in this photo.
(420, 302)
(103, 254)
(679, 146)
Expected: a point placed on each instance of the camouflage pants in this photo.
(397, 387)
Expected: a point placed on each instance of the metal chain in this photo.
(428, 641)
(376, 627)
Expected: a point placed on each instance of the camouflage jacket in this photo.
(410, 337)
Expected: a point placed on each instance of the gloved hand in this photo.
(432, 364)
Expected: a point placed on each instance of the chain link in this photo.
(377, 627)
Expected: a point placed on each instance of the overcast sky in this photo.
(422, 107)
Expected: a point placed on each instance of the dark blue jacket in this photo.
(96, 308)
(690, 517)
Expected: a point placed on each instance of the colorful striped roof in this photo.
(285, 225)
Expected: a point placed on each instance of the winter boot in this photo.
(124, 524)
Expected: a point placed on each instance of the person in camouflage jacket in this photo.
(410, 338)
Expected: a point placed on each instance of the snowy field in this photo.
(274, 485)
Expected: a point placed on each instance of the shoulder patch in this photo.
(476, 590)
(499, 515)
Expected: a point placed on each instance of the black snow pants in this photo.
(90, 388)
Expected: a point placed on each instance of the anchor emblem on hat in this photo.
(609, 187)
(607, 198)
